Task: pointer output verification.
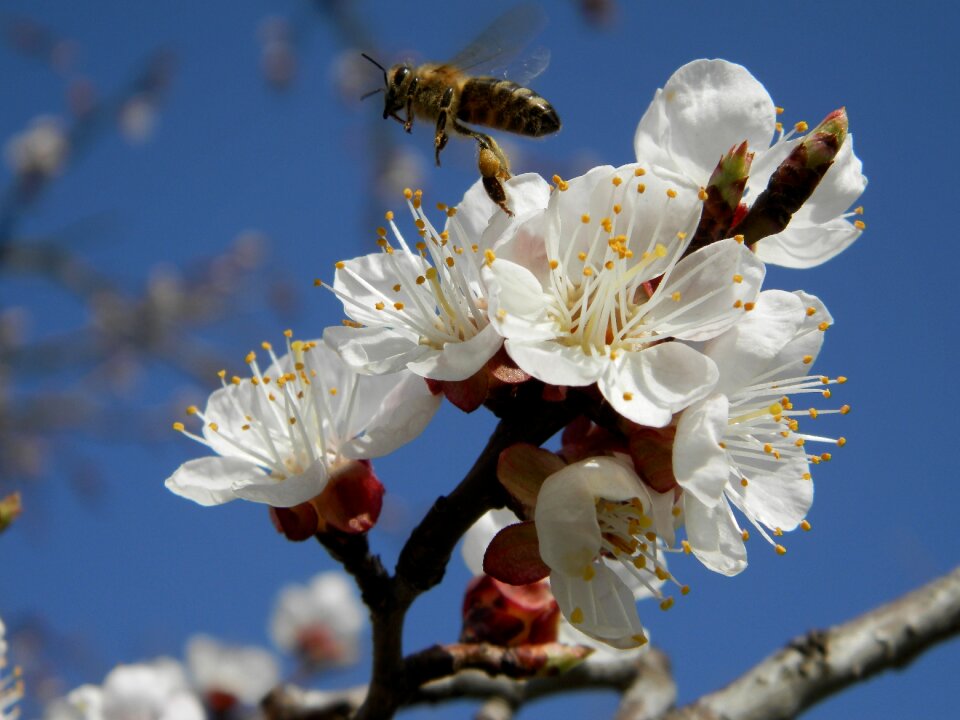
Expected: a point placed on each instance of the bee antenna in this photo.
(379, 66)
(372, 92)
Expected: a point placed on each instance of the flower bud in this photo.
(509, 615)
(794, 181)
(724, 192)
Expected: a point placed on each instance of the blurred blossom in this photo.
(11, 686)
(40, 151)
(354, 76)
(320, 622)
(278, 62)
(400, 168)
(81, 96)
(138, 118)
(225, 675)
(155, 690)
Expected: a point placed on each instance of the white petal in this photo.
(649, 386)
(228, 408)
(518, 304)
(369, 279)
(403, 414)
(709, 290)
(293, 490)
(210, 480)
(748, 349)
(840, 188)
(778, 499)
(566, 513)
(714, 536)
(460, 360)
(556, 364)
(805, 246)
(608, 607)
(706, 107)
(700, 465)
(375, 350)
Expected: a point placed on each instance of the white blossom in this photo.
(40, 150)
(742, 447)
(227, 672)
(424, 307)
(321, 622)
(280, 434)
(589, 290)
(710, 106)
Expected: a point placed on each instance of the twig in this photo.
(822, 663)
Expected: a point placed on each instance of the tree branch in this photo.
(822, 663)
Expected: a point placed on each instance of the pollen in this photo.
(585, 218)
(702, 194)
(676, 296)
(859, 224)
(489, 256)
(845, 409)
(744, 482)
(398, 306)
(822, 327)
(407, 193)
(801, 127)
(779, 110)
(589, 573)
(738, 278)
(686, 547)
(639, 172)
(379, 306)
(554, 264)
(671, 193)
(807, 359)
(666, 604)
(744, 535)
(628, 396)
(587, 272)
(213, 426)
(781, 550)
(617, 181)
(388, 215)
(684, 589)
(805, 525)
(841, 441)
(813, 413)
(641, 188)
(179, 427)
(617, 209)
(192, 410)
(576, 617)
(747, 307)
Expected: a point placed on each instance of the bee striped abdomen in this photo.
(504, 105)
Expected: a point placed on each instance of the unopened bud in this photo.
(794, 181)
(509, 615)
(723, 195)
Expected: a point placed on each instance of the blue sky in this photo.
(137, 571)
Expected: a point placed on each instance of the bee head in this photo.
(398, 83)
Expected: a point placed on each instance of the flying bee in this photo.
(458, 92)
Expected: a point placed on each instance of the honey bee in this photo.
(457, 92)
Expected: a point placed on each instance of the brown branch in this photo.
(822, 663)
(292, 703)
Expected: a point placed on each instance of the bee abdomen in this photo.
(504, 105)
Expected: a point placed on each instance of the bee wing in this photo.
(497, 50)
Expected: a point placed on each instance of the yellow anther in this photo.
(616, 181)
(747, 307)
(350, 323)
(640, 562)
(379, 306)
(398, 306)
(775, 409)
(292, 420)
(609, 265)
(589, 573)
(221, 374)
(641, 188)
(501, 314)
(738, 303)
(192, 410)
(807, 359)
(431, 273)
(676, 511)
(388, 215)
(382, 242)
(799, 442)
(554, 264)
(859, 224)
(744, 482)
(420, 224)
(722, 445)
(587, 271)
(779, 110)
(815, 459)
(745, 535)
(178, 426)
(779, 126)
(813, 413)
(805, 525)
(686, 547)
(778, 532)
(236, 380)
(213, 426)
(266, 346)
(617, 209)
(768, 448)
(666, 603)
(581, 256)
(651, 536)
(489, 256)
(845, 409)
(420, 280)
(684, 589)
(441, 206)
(827, 457)
(806, 476)
(639, 172)
(822, 327)
(628, 396)
(841, 379)
(675, 296)
(660, 250)
(671, 193)
(826, 393)
(661, 573)
(451, 212)
(607, 224)
(576, 617)
(449, 261)
(841, 441)
(407, 193)
(640, 640)
(801, 127)
(738, 278)
(781, 550)
(702, 194)
(681, 235)
(585, 218)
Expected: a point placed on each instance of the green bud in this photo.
(723, 194)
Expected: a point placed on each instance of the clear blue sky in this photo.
(136, 572)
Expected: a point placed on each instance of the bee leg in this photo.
(490, 168)
(408, 124)
(440, 137)
(485, 141)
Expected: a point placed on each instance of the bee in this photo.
(456, 94)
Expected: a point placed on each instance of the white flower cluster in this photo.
(11, 686)
(591, 283)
